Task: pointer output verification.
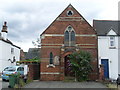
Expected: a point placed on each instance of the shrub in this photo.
(80, 63)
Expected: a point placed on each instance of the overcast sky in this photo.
(27, 19)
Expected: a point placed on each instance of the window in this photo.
(69, 35)
(12, 50)
(66, 36)
(20, 69)
(70, 13)
(112, 41)
(51, 58)
(72, 36)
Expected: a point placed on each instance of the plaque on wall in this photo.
(56, 60)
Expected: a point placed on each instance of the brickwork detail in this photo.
(53, 41)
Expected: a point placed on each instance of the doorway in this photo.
(105, 62)
(68, 69)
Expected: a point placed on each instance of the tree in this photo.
(80, 64)
(37, 43)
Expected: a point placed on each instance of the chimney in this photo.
(4, 31)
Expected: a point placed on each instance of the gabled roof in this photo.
(103, 27)
(33, 53)
(4, 29)
(9, 42)
(63, 14)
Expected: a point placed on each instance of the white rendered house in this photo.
(108, 46)
(9, 53)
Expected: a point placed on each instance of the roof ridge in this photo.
(104, 20)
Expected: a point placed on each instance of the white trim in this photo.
(86, 35)
(60, 47)
(112, 40)
(70, 20)
(87, 47)
(52, 44)
(50, 65)
(111, 32)
(63, 44)
(62, 35)
(85, 44)
(71, 17)
(49, 73)
(53, 34)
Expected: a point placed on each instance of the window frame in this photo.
(12, 50)
(112, 41)
(51, 58)
(71, 12)
(69, 42)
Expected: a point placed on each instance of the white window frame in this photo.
(70, 11)
(112, 41)
(12, 50)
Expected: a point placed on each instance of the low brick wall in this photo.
(50, 77)
(101, 72)
(34, 71)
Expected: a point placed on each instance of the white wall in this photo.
(5, 54)
(119, 55)
(104, 52)
(0, 55)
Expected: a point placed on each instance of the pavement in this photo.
(0, 83)
(3, 84)
(61, 84)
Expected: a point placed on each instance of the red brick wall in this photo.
(83, 42)
(34, 71)
(101, 72)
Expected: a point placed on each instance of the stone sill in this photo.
(50, 65)
(112, 47)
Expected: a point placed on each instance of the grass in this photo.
(69, 79)
(22, 83)
(113, 86)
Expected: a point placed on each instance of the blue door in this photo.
(106, 67)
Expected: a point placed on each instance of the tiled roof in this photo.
(8, 41)
(33, 53)
(102, 27)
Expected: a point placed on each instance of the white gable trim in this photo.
(111, 32)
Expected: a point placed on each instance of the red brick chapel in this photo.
(68, 33)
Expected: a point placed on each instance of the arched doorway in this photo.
(68, 69)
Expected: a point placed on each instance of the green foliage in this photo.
(21, 82)
(16, 86)
(29, 80)
(80, 63)
(69, 79)
(30, 60)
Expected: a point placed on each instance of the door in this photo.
(68, 69)
(105, 62)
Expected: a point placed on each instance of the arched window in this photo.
(69, 35)
(51, 58)
(66, 36)
(72, 36)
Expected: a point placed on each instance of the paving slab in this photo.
(61, 84)
(0, 83)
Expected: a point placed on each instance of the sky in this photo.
(27, 19)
